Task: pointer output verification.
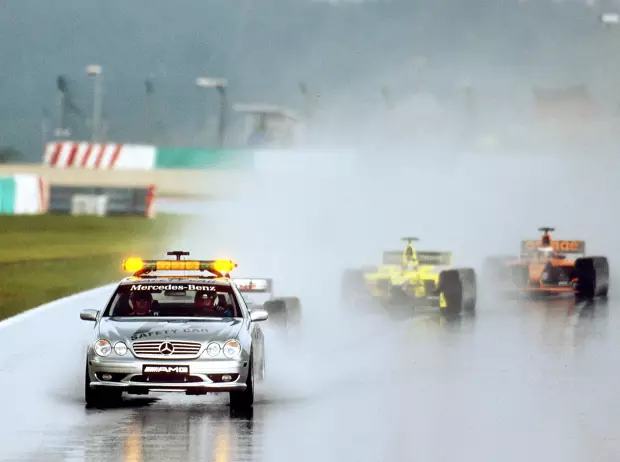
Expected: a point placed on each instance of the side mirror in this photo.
(89, 315)
(258, 314)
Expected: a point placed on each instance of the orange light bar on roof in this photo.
(224, 266)
(213, 266)
(133, 264)
(179, 265)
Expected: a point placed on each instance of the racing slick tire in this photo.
(240, 400)
(469, 282)
(100, 397)
(458, 288)
(293, 310)
(591, 278)
(263, 369)
(276, 308)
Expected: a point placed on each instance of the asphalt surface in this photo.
(521, 381)
(532, 381)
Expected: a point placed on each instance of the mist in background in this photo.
(436, 99)
(411, 74)
(471, 171)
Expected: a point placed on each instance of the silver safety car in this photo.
(174, 332)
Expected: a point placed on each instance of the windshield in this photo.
(174, 300)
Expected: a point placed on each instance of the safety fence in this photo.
(84, 155)
(174, 172)
(32, 194)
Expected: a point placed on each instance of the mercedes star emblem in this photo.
(166, 348)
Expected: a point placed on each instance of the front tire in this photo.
(97, 397)
(451, 288)
(244, 399)
(261, 376)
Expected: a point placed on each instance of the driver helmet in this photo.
(205, 299)
(141, 302)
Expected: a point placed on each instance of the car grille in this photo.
(180, 350)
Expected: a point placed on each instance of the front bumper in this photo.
(205, 376)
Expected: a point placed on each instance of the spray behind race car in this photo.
(544, 268)
(547, 249)
(258, 292)
(409, 259)
(412, 279)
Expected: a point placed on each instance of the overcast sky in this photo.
(344, 50)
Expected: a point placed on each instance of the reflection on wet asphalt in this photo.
(523, 381)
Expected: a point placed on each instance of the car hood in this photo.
(202, 331)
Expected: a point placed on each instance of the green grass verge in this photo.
(46, 257)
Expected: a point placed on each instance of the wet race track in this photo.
(522, 380)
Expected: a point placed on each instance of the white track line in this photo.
(51, 305)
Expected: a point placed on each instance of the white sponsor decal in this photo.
(167, 369)
(174, 287)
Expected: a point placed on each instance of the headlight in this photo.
(232, 348)
(103, 347)
(120, 349)
(213, 349)
(544, 276)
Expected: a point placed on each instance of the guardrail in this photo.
(169, 183)
(187, 173)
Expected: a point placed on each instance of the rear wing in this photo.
(254, 285)
(561, 247)
(395, 257)
(435, 258)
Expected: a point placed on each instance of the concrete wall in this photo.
(169, 183)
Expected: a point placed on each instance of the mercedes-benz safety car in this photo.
(283, 311)
(547, 267)
(177, 332)
(414, 278)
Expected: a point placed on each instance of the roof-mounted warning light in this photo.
(219, 268)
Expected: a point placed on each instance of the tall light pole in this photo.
(308, 103)
(149, 109)
(610, 19)
(94, 70)
(220, 85)
(62, 130)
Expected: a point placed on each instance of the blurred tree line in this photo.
(9, 154)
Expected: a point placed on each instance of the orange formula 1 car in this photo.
(544, 268)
